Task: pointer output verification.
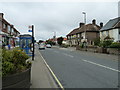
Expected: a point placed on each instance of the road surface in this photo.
(80, 69)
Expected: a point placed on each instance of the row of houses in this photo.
(8, 33)
(87, 33)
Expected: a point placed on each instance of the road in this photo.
(80, 69)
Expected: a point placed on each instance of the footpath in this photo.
(40, 75)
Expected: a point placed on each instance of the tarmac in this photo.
(41, 77)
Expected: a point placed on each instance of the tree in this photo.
(50, 42)
(40, 41)
(97, 41)
(60, 40)
(34, 40)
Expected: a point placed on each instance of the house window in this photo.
(12, 31)
(102, 33)
(107, 33)
(91, 42)
(4, 26)
(119, 31)
(9, 29)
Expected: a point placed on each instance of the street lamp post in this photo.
(84, 13)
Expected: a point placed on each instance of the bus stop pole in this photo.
(33, 42)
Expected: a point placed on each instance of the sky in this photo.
(56, 17)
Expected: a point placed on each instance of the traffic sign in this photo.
(29, 30)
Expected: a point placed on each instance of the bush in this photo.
(65, 46)
(82, 45)
(106, 43)
(97, 41)
(14, 61)
(115, 45)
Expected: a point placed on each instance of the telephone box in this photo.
(25, 42)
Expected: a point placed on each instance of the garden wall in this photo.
(100, 50)
(20, 80)
(113, 51)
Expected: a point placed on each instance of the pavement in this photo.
(40, 74)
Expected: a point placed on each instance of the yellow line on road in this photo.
(53, 73)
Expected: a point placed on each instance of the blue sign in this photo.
(29, 30)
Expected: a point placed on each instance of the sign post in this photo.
(31, 29)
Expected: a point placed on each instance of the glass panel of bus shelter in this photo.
(28, 46)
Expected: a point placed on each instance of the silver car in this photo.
(48, 46)
(42, 46)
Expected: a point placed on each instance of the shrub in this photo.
(65, 46)
(97, 41)
(115, 45)
(14, 61)
(82, 45)
(105, 43)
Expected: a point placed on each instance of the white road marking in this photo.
(67, 49)
(101, 65)
(49, 49)
(63, 48)
(64, 54)
(56, 51)
(53, 73)
(68, 55)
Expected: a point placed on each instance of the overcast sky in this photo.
(59, 17)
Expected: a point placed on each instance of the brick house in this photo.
(8, 32)
(72, 36)
(85, 33)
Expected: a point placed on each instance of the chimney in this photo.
(101, 24)
(93, 21)
(1, 15)
(81, 24)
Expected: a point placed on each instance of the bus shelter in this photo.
(25, 42)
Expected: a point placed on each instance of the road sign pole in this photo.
(33, 42)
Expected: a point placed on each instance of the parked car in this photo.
(42, 46)
(48, 46)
